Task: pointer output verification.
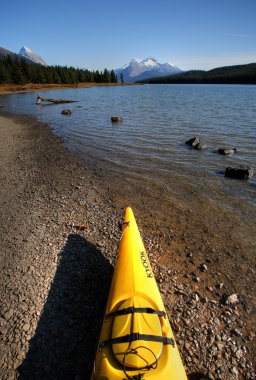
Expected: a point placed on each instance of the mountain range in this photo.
(149, 70)
(149, 67)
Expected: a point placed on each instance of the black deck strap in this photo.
(136, 336)
(132, 310)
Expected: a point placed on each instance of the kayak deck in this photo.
(136, 339)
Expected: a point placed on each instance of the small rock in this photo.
(234, 371)
(66, 112)
(231, 300)
(116, 119)
(2, 322)
(194, 141)
(226, 151)
(203, 267)
(220, 345)
(26, 327)
(220, 285)
(239, 172)
(200, 146)
(8, 314)
(236, 332)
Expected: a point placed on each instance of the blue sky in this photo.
(198, 34)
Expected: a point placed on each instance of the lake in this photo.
(149, 145)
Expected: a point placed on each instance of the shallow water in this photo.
(149, 145)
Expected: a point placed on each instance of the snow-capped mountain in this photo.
(139, 69)
(27, 53)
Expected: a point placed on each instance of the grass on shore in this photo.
(4, 88)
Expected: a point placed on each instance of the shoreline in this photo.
(45, 190)
(12, 88)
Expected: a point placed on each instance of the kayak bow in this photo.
(136, 340)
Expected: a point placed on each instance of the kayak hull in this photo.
(135, 310)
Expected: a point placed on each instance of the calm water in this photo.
(148, 146)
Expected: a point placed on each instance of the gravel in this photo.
(56, 276)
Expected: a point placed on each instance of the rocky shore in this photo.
(59, 239)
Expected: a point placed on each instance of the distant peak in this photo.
(28, 53)
(26, 49)
(135, 60)
(146, 68)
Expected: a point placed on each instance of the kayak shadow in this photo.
(198, 376)
(66, 336)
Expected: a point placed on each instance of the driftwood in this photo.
(39, 99)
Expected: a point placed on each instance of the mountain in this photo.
(238, 74)
(27, 53)
(139, 69)
(14, 56)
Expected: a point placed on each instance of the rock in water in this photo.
(194, 141)
(116, 119)
(226, 151)
(66, 112)
(239, 172)
(200, 146)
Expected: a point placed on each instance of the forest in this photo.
(14, 71)
(239, 74)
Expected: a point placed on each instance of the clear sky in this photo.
(94, 34)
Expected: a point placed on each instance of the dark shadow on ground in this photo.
(198, 376)
(65, 340)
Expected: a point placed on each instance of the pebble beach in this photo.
(59, 241)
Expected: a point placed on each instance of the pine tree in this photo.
(121, 78)
(113, 77)
(106, 76)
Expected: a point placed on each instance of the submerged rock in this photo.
(226, 151)
(116, 119)
(239, 172)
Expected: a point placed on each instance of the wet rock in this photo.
(66, 112)
(239, 172)
(116, 119)
(196, 143)
(200, 146)
(193, 141)
(226, 151)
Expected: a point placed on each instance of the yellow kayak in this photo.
(136, 340)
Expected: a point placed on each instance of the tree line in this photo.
(239, 74)
(21, 72)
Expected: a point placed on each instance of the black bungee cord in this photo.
(134, 351)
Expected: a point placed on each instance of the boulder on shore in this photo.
(239, 172)
(226, 151)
